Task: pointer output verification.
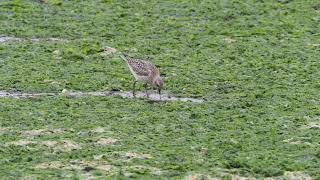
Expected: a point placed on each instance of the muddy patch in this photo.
(106, 141)
(153, 96)
(76, 164)
(313, 125)
(64, 145)
(90, 165)
(40, 132)
(130, 171)
(297, 175)
(86, 168)
(98, 130)
(218, 174)
(135, 155)
(4, 130)
(123, 156)
(298, 141)
(50, 165)
(83, 168)
(21, 142)
(32, 133)
(105, 167)
(198, 176)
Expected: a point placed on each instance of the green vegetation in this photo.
(256, 62)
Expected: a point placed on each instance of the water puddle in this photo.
(24, 95)
(153, 96)
(10, 38)
(6, 38)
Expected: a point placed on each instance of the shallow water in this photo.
(7, 38)
(165, 96)
(4, 94)
(153, 96)
(10, 38)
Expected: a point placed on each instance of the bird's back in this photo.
(141, 69)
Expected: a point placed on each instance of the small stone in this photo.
(228, 40)
(64, 91)
(108, 51)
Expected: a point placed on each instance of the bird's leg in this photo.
(159, 90)
(133, 89)
(146, 87)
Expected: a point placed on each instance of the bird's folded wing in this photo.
(140, 68)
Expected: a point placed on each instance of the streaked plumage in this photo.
(144, 71)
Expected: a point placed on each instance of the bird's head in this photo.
(159, 83)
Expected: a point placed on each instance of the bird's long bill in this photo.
(159, 90)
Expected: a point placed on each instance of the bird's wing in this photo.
(140, 67)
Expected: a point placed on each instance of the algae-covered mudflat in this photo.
(252, 65)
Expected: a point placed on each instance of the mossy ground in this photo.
(255, 62)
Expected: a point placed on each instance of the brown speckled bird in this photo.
(144, 71)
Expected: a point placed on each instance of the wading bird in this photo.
(144, 71)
